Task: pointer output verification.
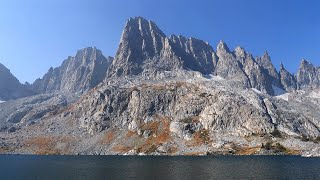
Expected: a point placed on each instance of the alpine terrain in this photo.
(163, 95)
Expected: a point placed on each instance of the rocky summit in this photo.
(166, 95)
(10, 87)
(76, 74)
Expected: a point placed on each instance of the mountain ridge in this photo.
(205, 59)
(10, 87)
(167, 96)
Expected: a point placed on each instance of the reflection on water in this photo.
(121, 167)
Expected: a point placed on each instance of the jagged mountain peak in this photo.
(266, 64)
(5, 72)
(76, 74)
(141, 26)
(265, 60)
(10, 87)
(222, 47)
(281, 65)
(240, 52)
(191, 40)
(144, 48)
(141, 41)
(266, 54)
(305, 63)
(308, 75)
(88, 50)
(288, 80)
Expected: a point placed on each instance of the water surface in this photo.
(124, 167)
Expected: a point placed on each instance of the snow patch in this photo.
(2, 101)
(314, 94)
(214, 78)
(284, 96)
(256, 90)
(278, 91)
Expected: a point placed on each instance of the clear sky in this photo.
(38, 34)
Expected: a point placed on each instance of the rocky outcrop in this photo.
(76, 74)
(266, 64)
(195, 54)
(257, 77)
(217, 110)
(228, 67)
(10, 87)
(145, 49)
(308, 76)
(29, 110)
(288, 80)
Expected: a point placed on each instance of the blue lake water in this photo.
(124, 167)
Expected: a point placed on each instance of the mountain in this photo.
(308, 75)
(288, 80)
(10, 87)
(228, 66)
(142, 46)
(145, 49)
(77, 74)
(266, 64)
(166, 95)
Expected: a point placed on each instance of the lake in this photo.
(133, 167)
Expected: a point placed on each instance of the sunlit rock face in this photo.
(308, 75)
(76, 74)
(10, 87)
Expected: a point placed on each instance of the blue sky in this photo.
(37, 34)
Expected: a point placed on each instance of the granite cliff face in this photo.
(10, 87)
(288, 80)
(145, 49)
(266, 64)
(228, 66)
(76, 74)
(166, 95)
(195, 54)
(308, 76)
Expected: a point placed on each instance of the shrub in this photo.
(203, 95)
(190, 119)
(304, 138)
(204, 135)
(187, 120)
(316, 140)
(276, 133)
(268, 145)
(151, 149)
(275, 147)
(279, 148)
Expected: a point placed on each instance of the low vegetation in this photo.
(199, 138)
(316, 140)
(121, 148)
(48, 145)
(305, 138)
(159, 135)
(276, 133)
(278, 148)
(107, 137)
(191, 119)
